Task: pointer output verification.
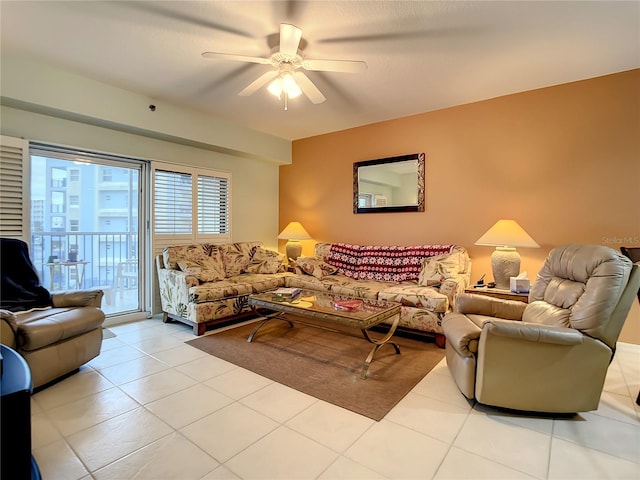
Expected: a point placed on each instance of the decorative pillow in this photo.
(236, 256)
(438, 268)
(314, 266)
(463, 258)
(265, 261)
(202, 273)
(322, 251)
(202, 261)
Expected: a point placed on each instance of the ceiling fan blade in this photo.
(290, 36)
(258, 83)
(345, 66)
(309, 89)
(236, 58)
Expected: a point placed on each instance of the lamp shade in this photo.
(294, 231)
(507, 233)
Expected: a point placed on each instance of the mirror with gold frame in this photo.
(394, 184)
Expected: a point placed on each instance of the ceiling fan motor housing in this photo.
(280, 59)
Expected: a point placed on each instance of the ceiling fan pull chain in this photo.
(286, 104)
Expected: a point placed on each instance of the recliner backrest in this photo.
(20, 287)
(583, 287)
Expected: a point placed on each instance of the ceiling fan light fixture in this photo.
(284, 83)
(290, 86)
(275, 88)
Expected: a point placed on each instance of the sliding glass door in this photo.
(87, 215)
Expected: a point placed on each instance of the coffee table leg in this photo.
(379, 343)
(271, 316)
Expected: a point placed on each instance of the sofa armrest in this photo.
(453, 286)
(469, 303)
(178, 277)
(533, 332)
(174, 288)
(78, 298)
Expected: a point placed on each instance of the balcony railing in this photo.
(80, 260)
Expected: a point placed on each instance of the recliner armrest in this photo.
(489, 306)
(533, 332)
(8, 328)
(461, 333)
(78, 298)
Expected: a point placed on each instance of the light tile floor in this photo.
(152, 407)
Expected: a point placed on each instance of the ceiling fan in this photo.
(287, 80)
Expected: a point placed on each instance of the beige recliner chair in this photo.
(55, 333)
(552, 354)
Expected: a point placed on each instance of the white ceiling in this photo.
(421, 55)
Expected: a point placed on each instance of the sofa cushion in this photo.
(314, 266)
(217, 290)
(309, 282)
(265, 261)
(359, 288)
(411, 295)
(261, 282)
(41, 328)
(382, 263)
(237, 256)
(202, 274)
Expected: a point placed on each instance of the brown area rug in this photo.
(327, 364)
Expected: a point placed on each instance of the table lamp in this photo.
(293, 233)
(505, 235)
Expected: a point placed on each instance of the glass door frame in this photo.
(103, 272)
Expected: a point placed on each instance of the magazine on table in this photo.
(286, 293)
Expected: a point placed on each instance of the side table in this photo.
(498, 293)
(76, 267)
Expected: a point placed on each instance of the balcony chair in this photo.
(55, 333)
(126, 275)
(552, 354)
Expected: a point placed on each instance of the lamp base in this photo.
(505, 263)
(293, 249)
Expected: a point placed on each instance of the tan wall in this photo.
(563, 161)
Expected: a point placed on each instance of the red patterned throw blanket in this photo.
(382, 263)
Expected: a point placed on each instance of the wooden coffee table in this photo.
(323, 310)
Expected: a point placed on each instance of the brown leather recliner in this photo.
(552, 354)
(55, 333)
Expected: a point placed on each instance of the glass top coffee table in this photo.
(326, 310)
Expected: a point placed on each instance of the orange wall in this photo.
(563, 161)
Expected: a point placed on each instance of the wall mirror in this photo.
(394, 184)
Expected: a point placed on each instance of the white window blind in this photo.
(14, 175)
(190, 205)
(172, 202)
(213, 207)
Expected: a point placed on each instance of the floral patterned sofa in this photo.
(425, 279)
(205, 284)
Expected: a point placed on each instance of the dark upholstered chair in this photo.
(552, 354)
(633, 254)
(55, 333)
